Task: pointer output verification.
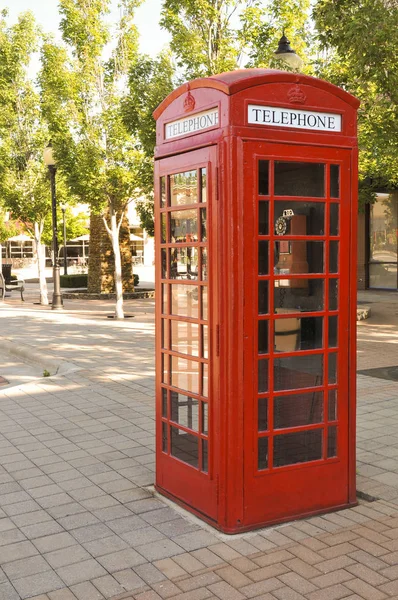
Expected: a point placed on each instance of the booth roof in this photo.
(235, 81)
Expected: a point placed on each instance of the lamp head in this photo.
(48, 155)
(287, 54)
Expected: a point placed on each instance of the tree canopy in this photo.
(359, 38)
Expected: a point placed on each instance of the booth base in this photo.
(252, 527)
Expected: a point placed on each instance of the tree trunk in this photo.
(41, 264)
(113, 231)
(101, 265)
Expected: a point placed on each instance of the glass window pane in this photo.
(164, 437)
(299, 179)
(333, 368)
(263, 177)
(334, 257)
(332, 406)
(299, 218)
(162, 192)
(183, 226)
(332, 442)
(334, 219)
(204, 263)
(184, 410)
(165, 334)
(298, 334)
(164, 263)
(163, 232)
(383, 276)
(299, 447)
(263, 218)
(262, 453)
(165, 369)
(185, 337)
(203, 186)
(205, 341)
(185, 374)
(334, 181)
(262, 414)
(263, 297)
(204, 303)
(184, 188)
(263, 375)
(184, 446)
(333, 294)
(165, 307)
(298, 295)
(203, 224)
(263, 258)
(296, 372)
(333, 332)
(184, 300)
(262, 337)
(298, 409)
(298, 258)
(205, 418)
(205, 380)
(383, 230)
(164, 403)
(183, 263)
(205, 456)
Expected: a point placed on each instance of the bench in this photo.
(10, 285)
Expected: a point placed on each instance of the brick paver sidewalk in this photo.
(78, 517)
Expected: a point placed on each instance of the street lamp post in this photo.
(57, 303)
(63, 208)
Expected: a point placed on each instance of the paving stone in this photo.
(63, 594)
(253, 590)
(66, 556)
(129, 580)
(106, 545)
(25, 567)
(54, 542)
(80, 572)
(41, 583)
(16, 551)
(149, 573)
(8, 592)
(108, 586)
(170, 568)
(117, 561)
(86, 591)
(160, 549)
(225, 592)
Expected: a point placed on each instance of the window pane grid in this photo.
(329, 231)
(184, 323)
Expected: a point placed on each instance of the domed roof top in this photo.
(235, 81)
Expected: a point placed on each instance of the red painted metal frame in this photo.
(231, 498)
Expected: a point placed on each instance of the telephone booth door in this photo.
(186, 260)
(297, 256)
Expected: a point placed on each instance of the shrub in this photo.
(136, 279)
(78, 280)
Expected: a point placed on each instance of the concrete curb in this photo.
(34, 357)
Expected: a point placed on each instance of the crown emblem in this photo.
(296, 95)
(189, 102)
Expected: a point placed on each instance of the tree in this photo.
(82, 95)
(150, 81)
(23, 186)
(359, 38)
(212, 36)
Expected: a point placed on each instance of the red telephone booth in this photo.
(256, 204)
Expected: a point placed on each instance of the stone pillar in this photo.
(101, 263)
